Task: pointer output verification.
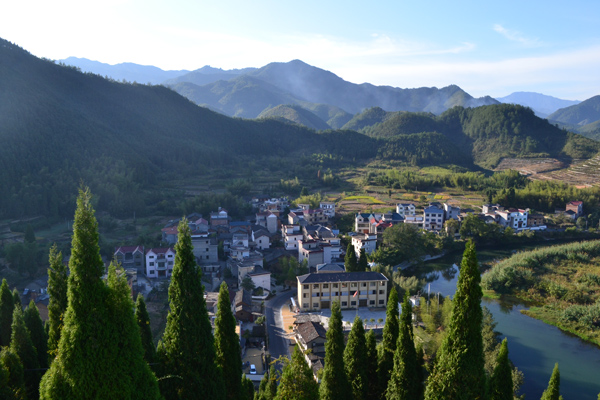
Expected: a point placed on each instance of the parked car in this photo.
(253, 369)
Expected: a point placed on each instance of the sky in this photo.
(486, 48)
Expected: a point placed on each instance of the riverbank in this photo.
(563, 280)
(549, 316)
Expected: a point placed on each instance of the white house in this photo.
(451, 212)
(433, 218)
(268, 220)
(365, 241)
(292, 234)
(159, 262)
(328, 208)
(261, 238)
(405, 209)
(516, 219)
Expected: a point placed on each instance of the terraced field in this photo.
(580, 173)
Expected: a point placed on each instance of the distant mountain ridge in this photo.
(543, 105)
(584, 113)
(124, 71)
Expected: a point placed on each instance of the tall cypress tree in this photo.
(552, 392)
(13, 386)
(297, 382)
(227, 345)
(372, 381)
(363, 263)
(355, 360)
(22, 346)
(143, 322)
(405, 381)
(501, 383)
(334, 383)
(57, 289)
(385, 358)
(34, 324)
(350, 261)
(7, 307)
(99, 353)
(247, 389)
(17, 298)
(187, 350)
(459, 372)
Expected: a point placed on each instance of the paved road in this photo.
(278, 343)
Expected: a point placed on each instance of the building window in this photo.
(353, 303)
(152, 264)
(304, 305)
(325, 286)
(304, 295)
(335, 285)
(315, 305)
(381, 292)
(352, 292)
(305, 286)
(353, 284)
(316, 286)
(364, 284)
(344, 304)
(371, 302)
(372, 284)
(380, 301)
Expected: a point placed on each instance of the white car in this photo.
(252, 369)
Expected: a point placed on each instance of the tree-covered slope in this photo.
(295, 114)
(584, 113)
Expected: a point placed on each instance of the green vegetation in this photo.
(186, 350)
(6, 313)
(334, 382)
(387, 348)
(459, 370)
(143, 322)
(552, 392)
(57, 289)
(355, 359)
(297, 381)
(100, 353)
(227, 345)
(565, 279)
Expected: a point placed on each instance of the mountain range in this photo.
(131, 142)
(543, 105)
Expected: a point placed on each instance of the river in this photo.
(534, 346)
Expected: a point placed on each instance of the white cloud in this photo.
(516, 36)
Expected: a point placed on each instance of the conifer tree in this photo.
(99, 355)
(227, 345)
(7, 307)
(552, 392)
(17, 298)
(459, 371)
(355, 360)
(268, 386)
(501, 383)
(334, 383)
(404, 381)
(372, 382)
(22, 346)
(143, 322)
(34, 324)
(297, 382)
(246, 389)
(13, 387)
(363, 263)
(350, 261)
(387, 349)
(57, 289)
(187, 350)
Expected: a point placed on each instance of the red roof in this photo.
(171, 230)
(160, 250)
(576, 203)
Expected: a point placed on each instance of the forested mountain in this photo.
(489, 132)
(124, 71)
(59, 126)
(207, 74)
(295, 114)
(543, 105)
(296, 82)
(584, 113)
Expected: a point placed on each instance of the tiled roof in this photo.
(172, 230)
(129, 249)
(160, 250)
(310, 331)
(342, 277)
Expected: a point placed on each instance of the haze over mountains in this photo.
(277, 90)
(127, 141)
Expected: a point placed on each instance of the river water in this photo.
(534, 346)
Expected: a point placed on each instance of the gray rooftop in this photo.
(342, 277)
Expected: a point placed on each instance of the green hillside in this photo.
(295, 114)
(584, 113)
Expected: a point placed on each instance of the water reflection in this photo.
(534, 346)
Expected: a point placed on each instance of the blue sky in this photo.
(487, 48)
